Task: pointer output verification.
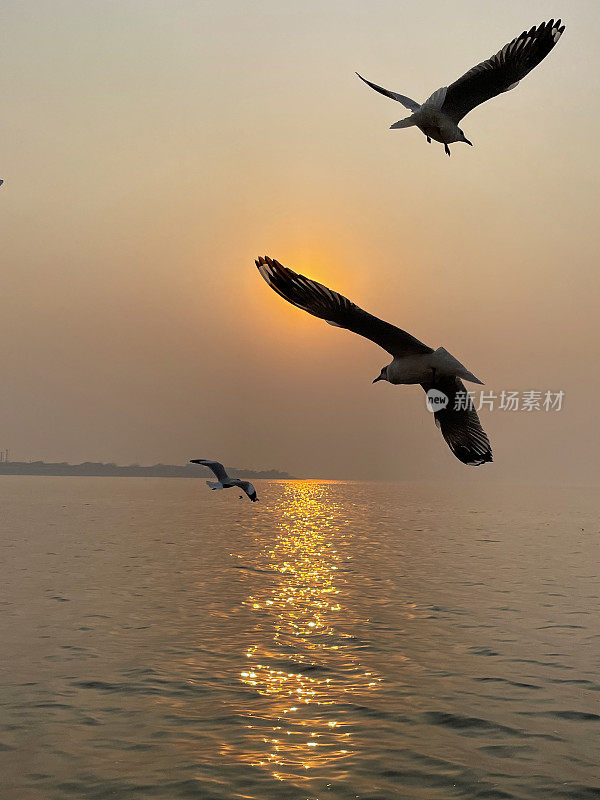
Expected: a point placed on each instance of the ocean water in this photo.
(336, 641)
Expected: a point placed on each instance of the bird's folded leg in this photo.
(447, 149)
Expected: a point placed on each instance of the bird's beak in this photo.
(466, 141)
(378, 378)
(194, 461)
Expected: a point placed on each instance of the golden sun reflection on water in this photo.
(303, 667)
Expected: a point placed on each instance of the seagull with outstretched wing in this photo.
(439, 115)
(437, 371)
(223, 480)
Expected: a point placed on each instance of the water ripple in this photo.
(378, 641)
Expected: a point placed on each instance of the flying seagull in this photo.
(413, 362)
(223, 480)
(438, 116)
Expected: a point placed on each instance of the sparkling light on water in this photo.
(304, 666)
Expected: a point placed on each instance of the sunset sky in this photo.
(151, 150)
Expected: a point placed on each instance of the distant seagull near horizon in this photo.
(439, 115)
(413, 361)
(223, 480)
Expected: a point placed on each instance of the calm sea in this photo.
(335, 641)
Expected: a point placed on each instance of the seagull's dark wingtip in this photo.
(471, 459)
(262, 262)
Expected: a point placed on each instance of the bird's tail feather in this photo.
(403, 123)
(468, 376)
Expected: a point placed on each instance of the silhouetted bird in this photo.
(438, 117)
(437, 371)
(223, 480)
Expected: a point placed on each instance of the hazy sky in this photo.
(150, 150)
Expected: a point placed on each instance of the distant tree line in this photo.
(97, 469)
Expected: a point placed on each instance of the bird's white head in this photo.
(382, 375)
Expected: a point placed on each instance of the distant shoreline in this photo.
(99, 470)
